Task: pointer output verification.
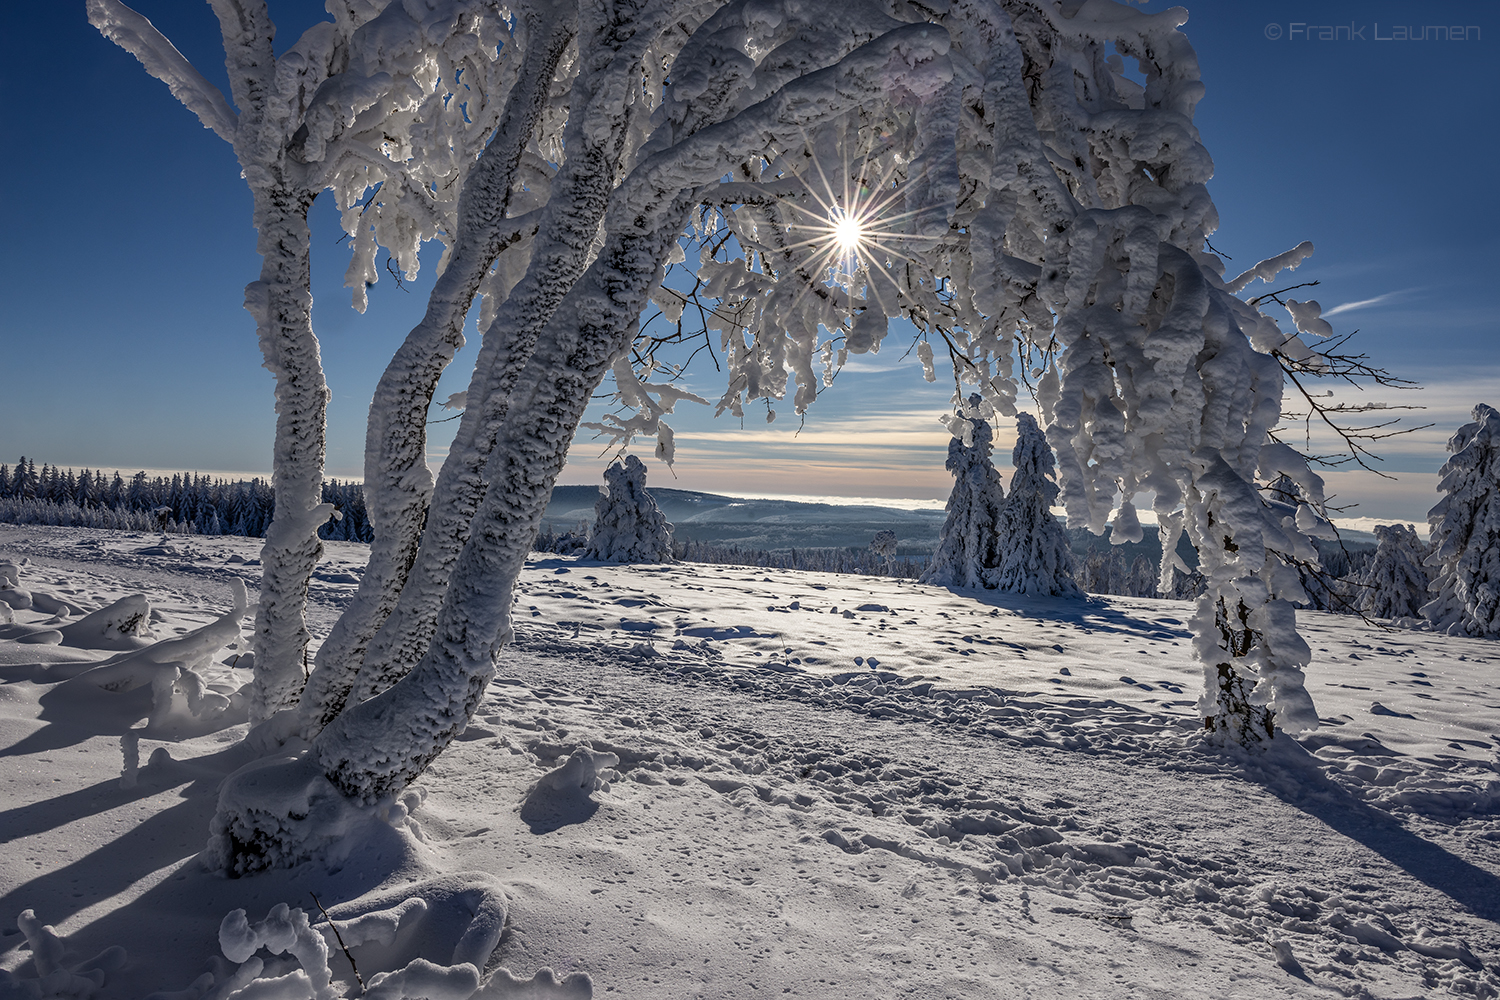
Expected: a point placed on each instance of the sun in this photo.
(853, 223)
(848, 232)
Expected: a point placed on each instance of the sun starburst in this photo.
(852, 225)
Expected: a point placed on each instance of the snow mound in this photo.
(173, 668)
(123, 625)
(58, 973)
(281, 811)
(431, 939)
(562, 796)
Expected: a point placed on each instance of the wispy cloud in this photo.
(1344, 307)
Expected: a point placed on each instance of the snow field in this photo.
(1012, 800)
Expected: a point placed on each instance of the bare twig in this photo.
(358, 978)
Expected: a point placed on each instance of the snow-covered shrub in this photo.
(884, 544)
(1036, 557)
(564, 543)
(1395, 583)
(1466, 532)
(973, 537)
(628, 526)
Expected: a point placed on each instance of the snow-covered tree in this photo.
(1036, 557)
(1466, 532)
(749, 81)
(972, 540)
(1395, 583)
(368, 100)
(628, 526)
(988, 171)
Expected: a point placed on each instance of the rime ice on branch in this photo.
(628, 526)
(575, 309)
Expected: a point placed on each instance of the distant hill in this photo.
(763, 524)
(778, 525)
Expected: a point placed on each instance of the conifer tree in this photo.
(1037, 558)
(628, 526)
(1395, 584)
(973, 536)
(1466, 532)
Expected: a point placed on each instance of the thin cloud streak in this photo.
(1344, 307)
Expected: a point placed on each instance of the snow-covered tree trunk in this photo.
(1466, 532)
(603, 115)
(378, 746)
(398, 486)
(282, 306)
(628, 526)
(348, 107)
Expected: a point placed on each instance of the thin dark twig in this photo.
(1281, 291)
(358, 978)
(390, 267)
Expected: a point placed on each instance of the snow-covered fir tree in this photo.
(1036, 557)
(628, 526)
(1394, 585)
(1465, 559)
(973, 537)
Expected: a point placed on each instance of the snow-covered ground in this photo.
(823, 786)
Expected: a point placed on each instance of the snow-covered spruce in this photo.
(974, 535)
(628, 526)
(1466, 532)
(1037, 557)
(1395, 583)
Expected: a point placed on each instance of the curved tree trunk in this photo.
(282, 307)
(375, 748)
(596, 146)
(398, 487)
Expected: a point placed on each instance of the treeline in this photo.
(864, 562)
(184, 504)
(1334, 586)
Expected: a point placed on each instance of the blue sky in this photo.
(123, 343)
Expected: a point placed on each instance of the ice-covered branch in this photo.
(138, 36)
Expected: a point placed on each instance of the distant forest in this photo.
(185, 504)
